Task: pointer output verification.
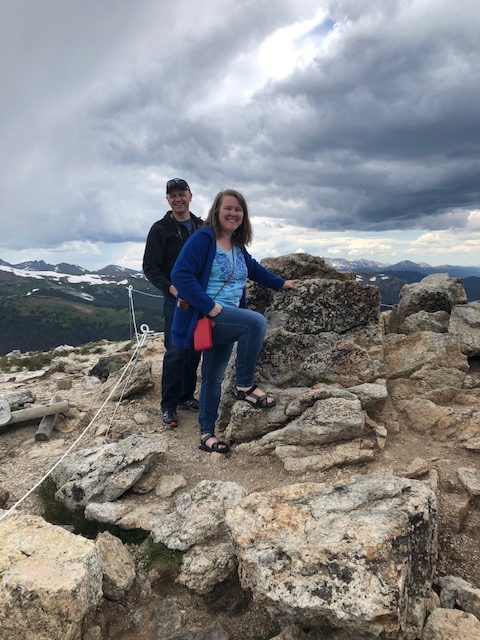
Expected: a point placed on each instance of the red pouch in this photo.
(202, 336)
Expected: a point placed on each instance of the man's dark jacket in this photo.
(164, 242)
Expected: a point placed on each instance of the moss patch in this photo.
(157, 554)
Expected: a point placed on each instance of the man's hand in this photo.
(173, 290)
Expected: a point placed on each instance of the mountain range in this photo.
(44, 305)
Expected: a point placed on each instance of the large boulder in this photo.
(404, 355)
(329, 420)
(104, 473)
(465, 323)
(295, 265)
(436, 292)
(50, 580)
(450, 624)
(359, 555)
(197, 526)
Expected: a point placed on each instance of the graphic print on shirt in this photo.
(225, 265)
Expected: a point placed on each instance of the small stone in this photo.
(433, 479)
(141, 418)
(455, 508)
(91, 382)
(64, 383)
(101, 429)
(93, 633)
(416, 469)
(167, 485)
(470, 479)
(432, 601)
(4, 496)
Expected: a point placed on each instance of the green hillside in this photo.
(38, 314)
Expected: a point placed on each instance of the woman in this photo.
(210, 275)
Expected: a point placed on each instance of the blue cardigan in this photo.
(190, 276)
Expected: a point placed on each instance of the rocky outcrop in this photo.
(359, 555)
(50, 580)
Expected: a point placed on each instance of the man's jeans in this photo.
(231, 325)
(179, 371)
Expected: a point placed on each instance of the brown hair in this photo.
(244, 234)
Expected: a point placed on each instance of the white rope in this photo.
(144, 293)
(132, 310)
(145, 332)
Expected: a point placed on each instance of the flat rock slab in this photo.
(359, 555)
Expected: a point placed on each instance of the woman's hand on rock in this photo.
(291, 284)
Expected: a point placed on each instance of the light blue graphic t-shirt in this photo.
(229, 273)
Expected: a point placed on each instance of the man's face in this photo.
(179, 201)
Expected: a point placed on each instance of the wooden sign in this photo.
(5, 413)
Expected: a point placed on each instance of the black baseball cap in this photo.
(177, 183)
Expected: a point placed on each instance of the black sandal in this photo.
(261, 401)
(219, 446)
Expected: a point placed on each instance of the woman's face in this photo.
(230, 215)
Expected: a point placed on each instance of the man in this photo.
(164, 242)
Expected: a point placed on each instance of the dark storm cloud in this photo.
(105, 100)
(384, 129)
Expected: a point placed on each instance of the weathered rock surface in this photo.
(118, 566)
(436, 292)
(404, 355)
(204, 566)
(458, 593)
(437, 322)
(301, 459)
(465, 324)
(329, 420)
(50, 580)
(198, 526)
(104, 473)
(138, 380)
(325, 305)
(470, 479)
(127, 513)
(359, 555)
(449, 624)
(199, 515)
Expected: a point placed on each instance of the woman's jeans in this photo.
(231, 325)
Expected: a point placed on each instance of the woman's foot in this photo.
(211, 444)
(254, 396)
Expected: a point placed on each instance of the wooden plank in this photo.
(47, 423)
(38, 412)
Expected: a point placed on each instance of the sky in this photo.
(352, 127)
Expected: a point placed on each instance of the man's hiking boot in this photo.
(189, 405)
(169, 417)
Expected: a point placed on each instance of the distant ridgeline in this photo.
(43, 306)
